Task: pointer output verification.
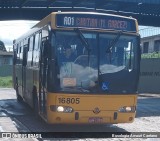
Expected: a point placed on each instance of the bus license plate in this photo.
(95, 120)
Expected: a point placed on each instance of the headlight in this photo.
(60, 109)
(127, 109)
(64, 109)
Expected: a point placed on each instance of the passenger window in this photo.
(36, 45)
(45, 32)
(20, 49)
(36, 49)
(31, 44)
(17, 48)
(30, 52)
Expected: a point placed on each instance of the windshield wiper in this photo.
(113, 42)
(83, 39)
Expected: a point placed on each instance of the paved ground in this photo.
(16, 117)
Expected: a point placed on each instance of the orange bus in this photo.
(79, 68)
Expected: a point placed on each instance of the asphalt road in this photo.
(18, 117)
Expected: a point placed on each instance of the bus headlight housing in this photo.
(60, 109)
(126, 109)
(63, 109)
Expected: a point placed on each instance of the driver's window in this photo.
(67, 47)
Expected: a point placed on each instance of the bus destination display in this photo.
(95, 21)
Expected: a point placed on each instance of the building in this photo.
(150, 39)
(150, 63)
(6, 63)
(6, 58)
(150, 44)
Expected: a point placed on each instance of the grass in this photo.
(151, 55)
(6, 82)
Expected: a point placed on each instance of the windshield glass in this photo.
(118, 57)
(77, 64)
(84, 56)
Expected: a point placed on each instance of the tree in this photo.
(2, 46)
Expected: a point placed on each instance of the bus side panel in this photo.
(29, 86)
(36, 78)
(18, 72)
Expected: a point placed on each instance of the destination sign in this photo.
(95, 21)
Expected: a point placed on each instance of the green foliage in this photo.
(2, 46)
(6, 82)
(151, 55)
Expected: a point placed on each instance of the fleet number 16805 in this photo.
(69, 100)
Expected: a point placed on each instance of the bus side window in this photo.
(18, 52)
(45, 32)
(15, 57)
(36, 50)
(21, 52)
(30, 51)
(25, 50)
(36, 44)
(17, 48)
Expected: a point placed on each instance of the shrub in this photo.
(6, 82)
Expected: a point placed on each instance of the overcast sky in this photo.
(10, 30)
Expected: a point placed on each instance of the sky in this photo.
(10, 30)
(146, 31)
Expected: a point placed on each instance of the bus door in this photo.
(14, 67)
(24, 63)
(43, 77)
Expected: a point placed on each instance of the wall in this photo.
(150, 76)
(151, 40)
(6, 60)
(6, 70)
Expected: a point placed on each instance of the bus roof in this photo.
(48, 19)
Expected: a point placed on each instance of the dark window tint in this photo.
(157, 45)
(145, 47)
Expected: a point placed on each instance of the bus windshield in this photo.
(119, 56)
(80, 66)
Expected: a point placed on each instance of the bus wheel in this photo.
(19, 98)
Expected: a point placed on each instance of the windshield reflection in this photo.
(78, 65)
(118, 57)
